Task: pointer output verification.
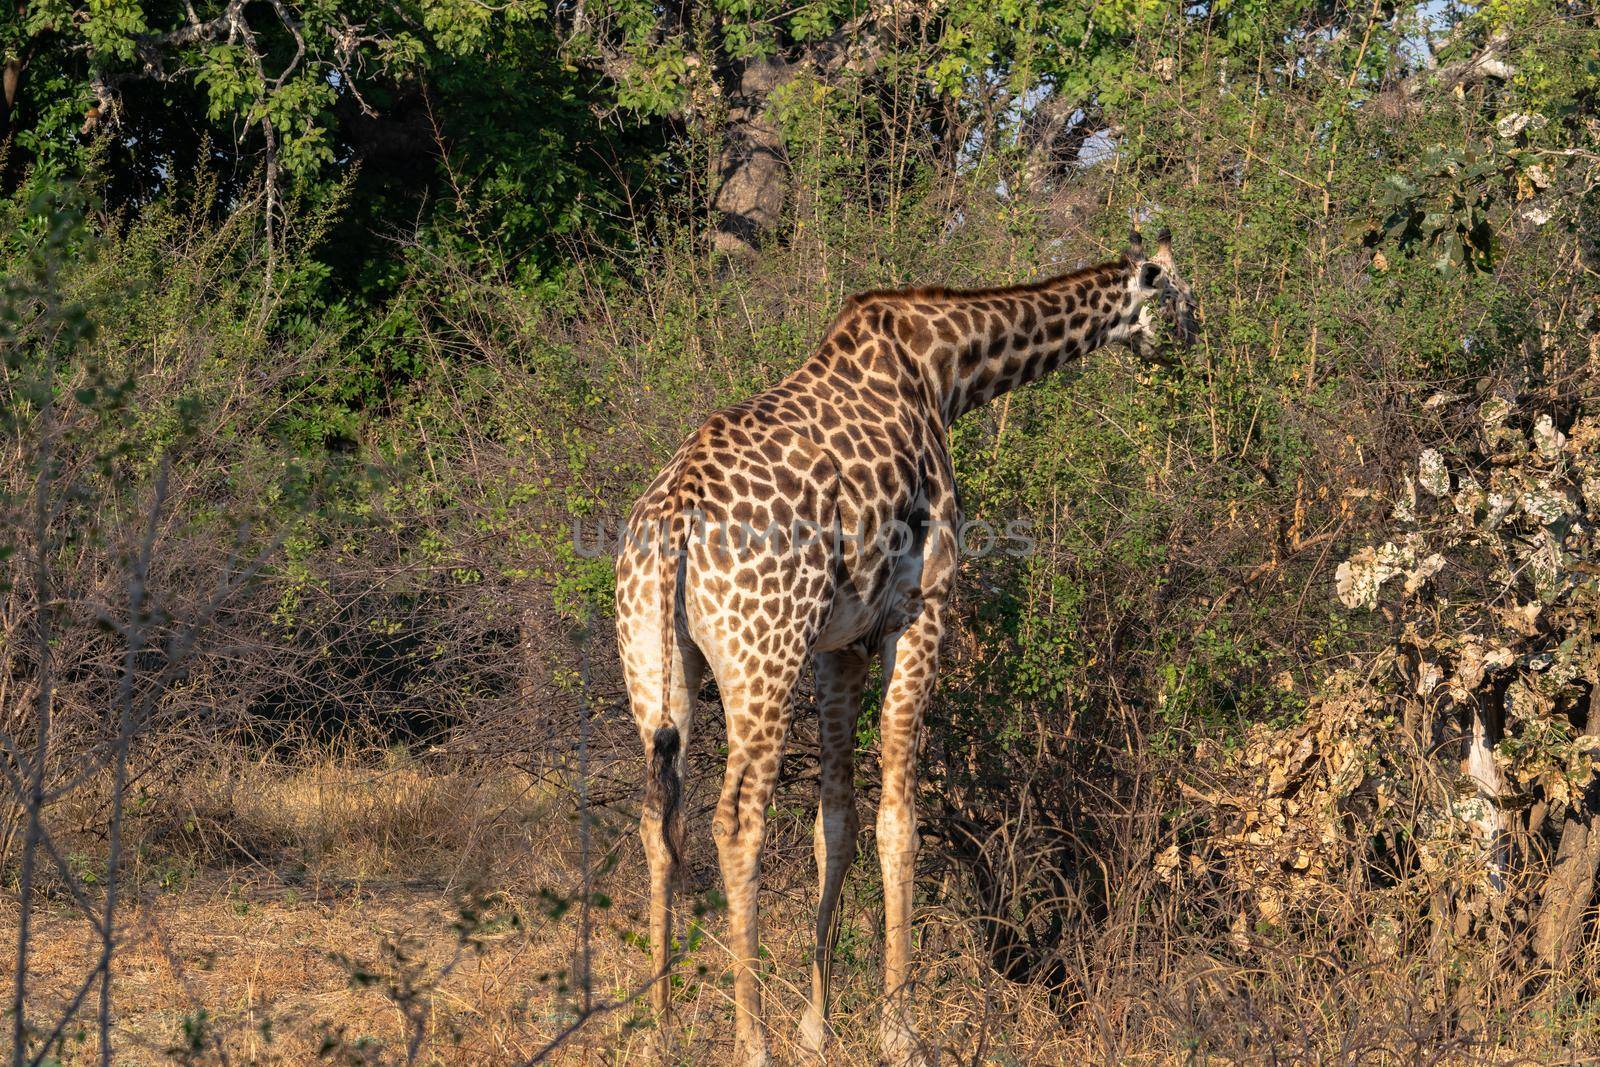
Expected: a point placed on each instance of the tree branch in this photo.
(1487, 63)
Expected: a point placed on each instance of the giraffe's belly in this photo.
(882, 582)
(865, 612)
(852, 621)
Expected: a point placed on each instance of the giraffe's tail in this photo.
(663, 791)
(664, 784)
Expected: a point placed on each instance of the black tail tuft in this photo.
(663, 789)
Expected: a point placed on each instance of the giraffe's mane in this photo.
(939, 292)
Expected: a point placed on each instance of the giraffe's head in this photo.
(1160, 293)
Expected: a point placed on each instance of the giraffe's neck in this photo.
(988, 342)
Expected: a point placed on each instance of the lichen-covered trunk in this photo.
(1482, 769)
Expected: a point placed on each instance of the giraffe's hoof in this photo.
(814, 1035)
(901, 1045)
(664, 1049)
(752, 1054)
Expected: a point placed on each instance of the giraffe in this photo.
(817, 521)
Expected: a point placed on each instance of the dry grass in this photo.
(286, 912)
(355, 819)
(290, 913)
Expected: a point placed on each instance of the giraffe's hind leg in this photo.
(664, 732)
(759, 587)
(759, 707)
(841, 676)
(661, 828)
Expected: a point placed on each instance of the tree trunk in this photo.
(1569, 890)
(753, 171)
(10, 79)
(1053, 136)
(753, 167)
(754, 181)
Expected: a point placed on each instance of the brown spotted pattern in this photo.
(765, 544)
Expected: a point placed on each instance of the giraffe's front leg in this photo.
(910, 665)
(840, 679)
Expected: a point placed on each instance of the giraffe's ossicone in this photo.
(818, 521)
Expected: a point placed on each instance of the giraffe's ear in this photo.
(1149, 273)
(1135, 246)
(1163, 254)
